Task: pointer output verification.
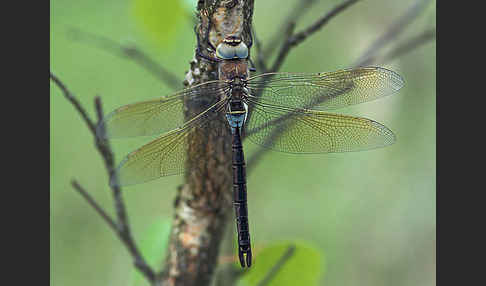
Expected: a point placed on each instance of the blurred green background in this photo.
(372, 214)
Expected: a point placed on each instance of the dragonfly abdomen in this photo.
(240, 200)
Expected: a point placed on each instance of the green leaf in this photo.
(160, 19)
(153, 247)
(282, 264)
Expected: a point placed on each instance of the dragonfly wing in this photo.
(325, 91)
(165, 155)
(158, 115)
(311, 131)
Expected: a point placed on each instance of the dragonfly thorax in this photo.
(238, 88)
(233, 71)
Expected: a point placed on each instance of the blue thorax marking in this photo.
(236, 114)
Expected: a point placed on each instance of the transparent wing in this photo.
(311, 131)
(165, 155)
(325, 91)
(158, 115)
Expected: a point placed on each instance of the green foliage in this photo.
(302, 265)
(153, 247)
(160, 19)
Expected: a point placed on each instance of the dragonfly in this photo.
(286, 112)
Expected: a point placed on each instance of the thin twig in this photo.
(260, 59)
(128, 51)
(69, 96)
(285, 48)
(406, 47)
(103, 146)
(123, 234)
(121, 227)
(278, 266)
(294, 40)
(95, 205)
(300, 8)
(394, 30)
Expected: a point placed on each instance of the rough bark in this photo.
(203, 203)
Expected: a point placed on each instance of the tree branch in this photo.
(111, 223)
(68, 95)
(121, 227)
(203, 204)
(300, 8)
(131, 52)
(394, 30)
(294, 40)
(260, 60)
(407, 46)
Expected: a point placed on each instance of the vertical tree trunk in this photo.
(203, 203)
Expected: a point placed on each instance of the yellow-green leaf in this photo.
(299, 264)
(160, 19)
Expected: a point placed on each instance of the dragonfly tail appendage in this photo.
(242, 253)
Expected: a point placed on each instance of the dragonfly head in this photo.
(232, 47)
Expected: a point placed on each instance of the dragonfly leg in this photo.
(250, 43)
(199, 50)
(211, 59)
(252, 68)
(207, 37)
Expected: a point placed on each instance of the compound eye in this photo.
(225, 51)
(241, 51)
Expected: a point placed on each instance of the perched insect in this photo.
(287, 116)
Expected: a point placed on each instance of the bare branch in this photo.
(298, 38)
(406, 47)
(121, 227)
(278, 265)
(95, 205)
(131, 52)
(202, 208)
(394, 30)
(285, 48)
(260, 60)
(69, 96)
(124, 236)
(300, 8)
